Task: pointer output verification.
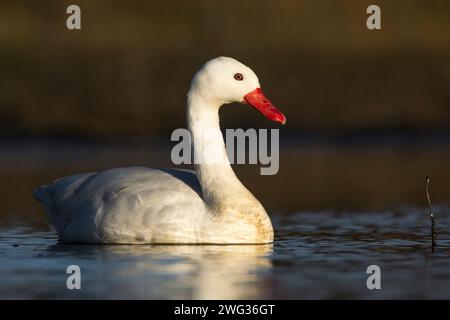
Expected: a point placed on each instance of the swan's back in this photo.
(124, 205)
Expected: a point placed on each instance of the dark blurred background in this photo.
(368, 111)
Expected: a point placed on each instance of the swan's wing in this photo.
(119, 202)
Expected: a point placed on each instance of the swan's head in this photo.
(225, 80)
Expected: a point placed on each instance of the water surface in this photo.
(318, 253)
(315, 255)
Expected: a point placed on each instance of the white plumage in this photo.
(142, 205)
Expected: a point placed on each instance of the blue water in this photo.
(316, 255)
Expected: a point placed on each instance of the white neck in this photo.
(220, 186)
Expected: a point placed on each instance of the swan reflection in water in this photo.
(171, 271)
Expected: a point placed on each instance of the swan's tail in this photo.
(41, 194)
(51, 194)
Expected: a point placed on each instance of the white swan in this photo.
(142, 205)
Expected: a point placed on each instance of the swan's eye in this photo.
(239, 76)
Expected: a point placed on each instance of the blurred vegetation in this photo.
(127, 71)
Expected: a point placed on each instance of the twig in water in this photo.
(433, 231)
